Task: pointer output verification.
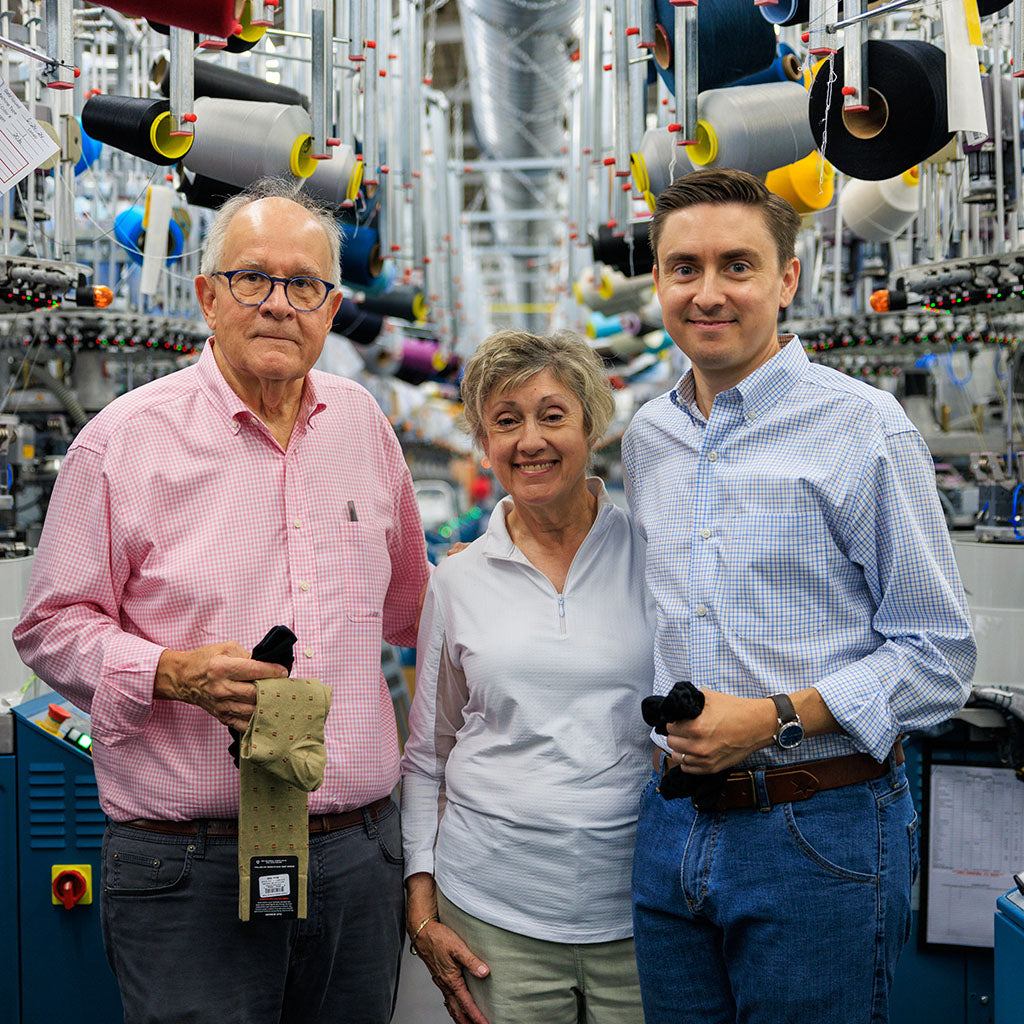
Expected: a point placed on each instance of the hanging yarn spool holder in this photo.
(143, 127)
(361, 259)
(199, 190)
(867, 121)
(384, 283)
(906, 117)
(630, 253)
(821, 34)
(755, 128)
(785, 12)
(808, 185)
(91, 150)
(358, 325)
(238, 141)
(131, 235)
(214, 17)
(403, 302)
(337, 181)
(657, 163)
(878, 211)
(785, 68)
(211, 78)
(238, 36)
(248, 33)
(982, 157)
(732, 41)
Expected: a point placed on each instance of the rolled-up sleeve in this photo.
(920, 674)
(70, 632)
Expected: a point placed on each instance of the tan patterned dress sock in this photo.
(282, 761)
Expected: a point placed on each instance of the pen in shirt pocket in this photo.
(352, 512)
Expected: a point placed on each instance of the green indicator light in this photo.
(445, 531)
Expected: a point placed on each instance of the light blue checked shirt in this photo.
(795, 539)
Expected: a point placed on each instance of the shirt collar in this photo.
(499, 543)
(233, 407)
(757, 392)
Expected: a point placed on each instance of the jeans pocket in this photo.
(389, 836)
(821, 829)
(135, 868)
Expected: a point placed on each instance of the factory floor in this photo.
(419, 999)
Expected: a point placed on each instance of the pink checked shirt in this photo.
(178, 521)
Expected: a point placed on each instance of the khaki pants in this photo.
(533, 981)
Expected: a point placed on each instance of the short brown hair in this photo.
(720, 185)
(508, 359)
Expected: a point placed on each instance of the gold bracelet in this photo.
(416, 934)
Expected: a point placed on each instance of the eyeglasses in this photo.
(252, 287)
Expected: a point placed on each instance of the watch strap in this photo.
(784, 709)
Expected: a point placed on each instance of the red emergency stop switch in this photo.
(69, 886)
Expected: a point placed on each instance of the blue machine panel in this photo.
(65, 977)
(9, 992)
(939, 985)
(1009, 958)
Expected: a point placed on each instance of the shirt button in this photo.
(712, 456)
(308, 652)
(297, 523)
(705, 533)
(701, 610)
(303, 586)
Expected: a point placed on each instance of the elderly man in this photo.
(805, 583)
(190, 516)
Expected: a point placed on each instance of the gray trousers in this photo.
(180, 953)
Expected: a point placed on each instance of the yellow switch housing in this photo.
(85, 870)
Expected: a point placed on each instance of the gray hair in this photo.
(271, 188)
(507, 359)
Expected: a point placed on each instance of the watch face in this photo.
(790, 735)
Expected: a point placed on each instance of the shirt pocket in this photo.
(776, 571)
(365, 569)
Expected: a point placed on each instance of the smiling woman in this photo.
(534, 653)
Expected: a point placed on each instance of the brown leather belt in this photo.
(800, 781)
(318, 823)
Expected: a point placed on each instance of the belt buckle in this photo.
(755, 800)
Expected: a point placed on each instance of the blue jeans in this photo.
(180, 953)
(793, 913)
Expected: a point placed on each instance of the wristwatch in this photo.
(791, 729)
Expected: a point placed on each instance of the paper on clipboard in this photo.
(23, 144)
(976, 843)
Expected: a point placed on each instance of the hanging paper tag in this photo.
(274, 887)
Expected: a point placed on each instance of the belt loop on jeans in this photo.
(762, 800)
(369, 823)
(200, 839)
(896, 758)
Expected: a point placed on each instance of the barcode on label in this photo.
(274, 885)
